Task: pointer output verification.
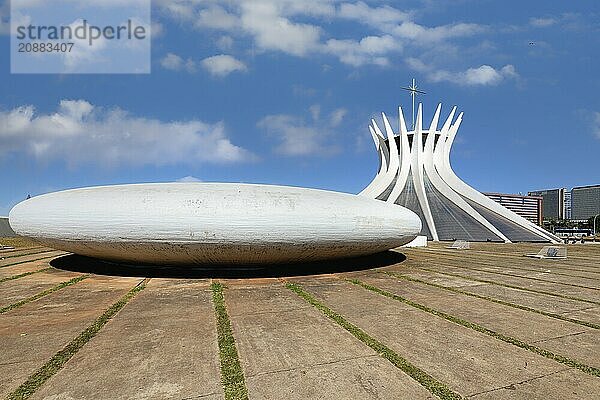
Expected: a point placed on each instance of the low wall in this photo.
(5, 229)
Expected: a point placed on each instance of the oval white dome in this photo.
(207, 223)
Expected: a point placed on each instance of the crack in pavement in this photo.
(559, 337)
(512, 385)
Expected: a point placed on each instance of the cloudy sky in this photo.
(282, 91)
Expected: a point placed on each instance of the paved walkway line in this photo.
(10, 278)
(53, 365)
(482, 329)
(564, 296)
(232, 375)
(502, 302)
(430, 383)
(46, 292)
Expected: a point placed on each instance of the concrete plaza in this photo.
(484, 323)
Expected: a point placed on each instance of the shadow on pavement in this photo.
(76, 263)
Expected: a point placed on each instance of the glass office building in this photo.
(553, 203)
(585, 202)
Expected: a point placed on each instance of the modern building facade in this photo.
(568, 208)
(554, 203)
(415, 172)
(528, 207)
(585, 202)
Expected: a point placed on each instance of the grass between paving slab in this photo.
(479, 328)
(563, 296)
(434, 386)
(10, 278)
(493, 300)
(232, 375)
(46, 292)
(51, 367)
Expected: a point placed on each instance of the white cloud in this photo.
(174, 62)
(483, 75)
(156, 29)
(369, 50)
(272, 31)
(82, 52)
(179, 9)
(219, 65)
(81, 133)
(374, 16)
(225, 42)
(216, 17)
(337, 116)
(188, 178)
(222, 65)
(299, 28)
(297, 138)
(419, 34)
(542, 22)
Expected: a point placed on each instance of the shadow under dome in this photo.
(83, 264)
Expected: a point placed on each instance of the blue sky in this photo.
(282, 92)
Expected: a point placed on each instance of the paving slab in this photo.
(20, 259)
(288, 349)
(19, 289)
(370, 377)
(467, 361)
(538, 301)
(552, 270)
(525, 325)
(291, 350)
(565, 338)
(591, 314)
(13, 270)
(580, 292)
(163, 344)
(545, 274)
(562, 385)
(440, 279)
(583, 346)
(30, 335)
(495, 255)
(262, 299)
